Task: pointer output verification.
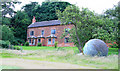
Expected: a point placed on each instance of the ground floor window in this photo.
(53, 41)
(33, 42)
(29, 41)
(66, 40)
(49, 41)
(39, 40)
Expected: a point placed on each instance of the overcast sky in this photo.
(99, 6)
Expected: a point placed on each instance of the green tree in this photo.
(45, 12)
(7, 8)
(7, 34)
(113, 15)
(19, 24)
(87, 25)
(82, 21)
(28, 8)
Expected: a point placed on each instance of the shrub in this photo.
(114, 46)
(26, 44)
(17, 48)
(4, 44)
(55, 44)
(39, 44)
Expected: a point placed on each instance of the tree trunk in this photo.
(79, 47)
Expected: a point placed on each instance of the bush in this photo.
(26, 44)
(17, 48)
(55, 44)
(114, 46)
(39, 44)
(4, 44)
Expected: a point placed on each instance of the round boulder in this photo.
(95, 47)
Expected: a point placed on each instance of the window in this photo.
(67, 30)
(67, 40)
(42, 32)
(53, 40)
(29, 40)
(33, 42)
(49, 41)
(32, 33)
(39, 40)
(53, 31)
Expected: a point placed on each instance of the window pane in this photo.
(67, 30)
(32, 33)
(66, 40)
(33, 42)
(39, 40)
(42, 32)
(53, 40)
(49, 41)
(53, 31)
(29, 40)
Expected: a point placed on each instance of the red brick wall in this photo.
(47, 31)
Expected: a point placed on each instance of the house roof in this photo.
(45, 23)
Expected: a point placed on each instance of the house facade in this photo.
(47, 33)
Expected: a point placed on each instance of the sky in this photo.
(99, 6)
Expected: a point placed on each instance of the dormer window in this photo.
(31, 33)
(53, 31)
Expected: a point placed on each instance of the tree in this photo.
(87, 25)
(19, 25)
(80, 20)
(28, 8)
(113, 15)
(7, 34)
(45, 12)
(7, 8)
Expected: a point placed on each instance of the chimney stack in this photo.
(33, 20)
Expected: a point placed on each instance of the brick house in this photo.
(47, 33)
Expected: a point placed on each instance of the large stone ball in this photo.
(95, 47)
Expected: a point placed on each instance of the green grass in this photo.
(67, 55)
(75, 49)
(113, 51)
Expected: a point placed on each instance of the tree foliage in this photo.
(7, 8)
(28, 8)
(7, 34)
(45, 12)
(87, 25)
(82, 21)
(19, 24)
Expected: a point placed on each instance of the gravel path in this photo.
(35, 64)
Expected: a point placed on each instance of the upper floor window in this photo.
(42, 32)
(66, 40)
(31, 33)
(53, 31)
(67, 30)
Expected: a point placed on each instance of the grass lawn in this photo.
(67, 55)
(75, 49)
